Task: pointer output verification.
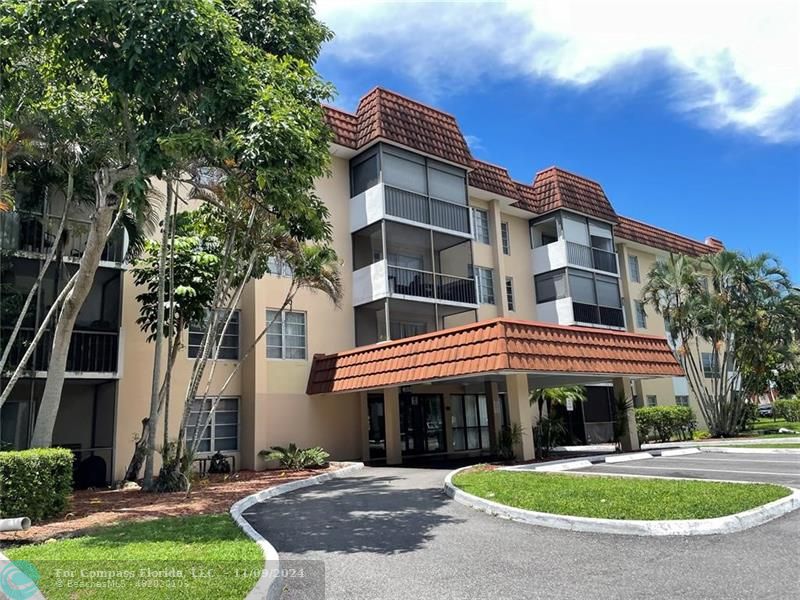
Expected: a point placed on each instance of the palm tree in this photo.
(557, 395)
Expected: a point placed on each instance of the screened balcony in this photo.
(391, 183)
(566, 239)
(573, 296)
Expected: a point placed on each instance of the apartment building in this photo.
(463, 291)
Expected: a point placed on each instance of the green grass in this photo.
(616, 497)
(760, 445)
(769, 423)
(198, 557)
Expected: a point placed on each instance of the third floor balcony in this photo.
(567, 240)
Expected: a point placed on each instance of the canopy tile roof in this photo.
(493, 346)
(555, 188)
(648, 235)
(489, 177)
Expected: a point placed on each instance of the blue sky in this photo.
(691, 124)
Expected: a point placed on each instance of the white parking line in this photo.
(704, 470)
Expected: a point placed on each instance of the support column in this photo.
(364, 425)
(490, 389)
(519, 413)
(391, 415)
(630, 437)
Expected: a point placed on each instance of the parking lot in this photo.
(760, 467)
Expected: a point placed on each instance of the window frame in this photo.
(710, 370)
(213, 424)
(463, 429)
(681, 400)
(640, 312)
(634, 273)
(479, 230)
(283, 335)
(282, 268)
(551, 275)
(196, 347)
(510, 305)
(651, 399)
(480, 272)
(505, 238)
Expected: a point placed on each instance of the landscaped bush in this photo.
(294, 458)
(788, 409)
(662, 423)
(749, 417)
(35, 483)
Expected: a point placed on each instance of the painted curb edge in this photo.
(684, 527)
(268, 585)
(745, 450)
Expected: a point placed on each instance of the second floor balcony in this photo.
(90, 351)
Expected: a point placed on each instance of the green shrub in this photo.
(788, 409)
(702, 434)
(294, 458)
(749, 417)
(662, 423)
(35, 483)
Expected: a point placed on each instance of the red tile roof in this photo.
(493, 346)
(489, 177)
(555, 188)
(648, 235)
(383, 114)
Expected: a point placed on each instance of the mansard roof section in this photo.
(382, 114)
(648, 235)
(554, 189)
(494, 179)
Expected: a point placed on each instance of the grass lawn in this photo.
(616, 497)
(196, 557)
(770, 423)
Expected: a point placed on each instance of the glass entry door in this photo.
(377, 426)
(421, 423)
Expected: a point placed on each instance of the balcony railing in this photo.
(28, 232)
(424, 284)
(430, 211)
(598, 315)
(89, 351)
(591, 258)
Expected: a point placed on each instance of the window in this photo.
(485, 278)
(447, 183)
(404, 329)
(641, 314)
(286, 335)
(481, 222)
(710, 366)
(703, 281)
(470, 421)
(228, 343)
(404, 170)
(581, 288)
(607, 291)
(365, 174)
(506, 239)
(633, 269)
(222, 433)
(510, 293)
(682, 400)
(550, 286)
(652, 401)
(279, 267)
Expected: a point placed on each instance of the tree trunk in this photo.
(51, 397)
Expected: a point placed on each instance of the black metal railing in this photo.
(591, 258)
(28, 232)
(430, 211)
(424, 284)
(89, 351)
(456, 289)
(598, 315)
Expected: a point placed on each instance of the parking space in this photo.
(766, 468)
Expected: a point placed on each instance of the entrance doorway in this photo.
(421, 424)
(377, 426)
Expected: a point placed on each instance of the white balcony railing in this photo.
(382, 280)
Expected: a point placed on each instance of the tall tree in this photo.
(745, 311)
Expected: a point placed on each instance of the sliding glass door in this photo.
(470, 421)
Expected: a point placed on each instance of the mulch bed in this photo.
(210, 495)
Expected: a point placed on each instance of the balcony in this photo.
(29, 233)
(598, 315)
(382, 280)
(386, 202)
(90, 351)
(564, 253)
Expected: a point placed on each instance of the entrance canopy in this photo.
(495, 346)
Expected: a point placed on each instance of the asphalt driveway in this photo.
(391, 533)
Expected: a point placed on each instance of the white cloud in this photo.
(734, 63)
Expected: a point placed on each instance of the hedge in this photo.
(788, 409)
(662, 423)
(35, 483)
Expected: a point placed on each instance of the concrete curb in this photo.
(628, 457)
(569, 464)
(681, 451)
(730, 450)
(685, 527)
(268, 586)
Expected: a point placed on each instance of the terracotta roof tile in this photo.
(344, 126)
(493, 346)
(492, 178)
(556, 188)
(648, 235)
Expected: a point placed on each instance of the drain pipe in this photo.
(18, 524)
